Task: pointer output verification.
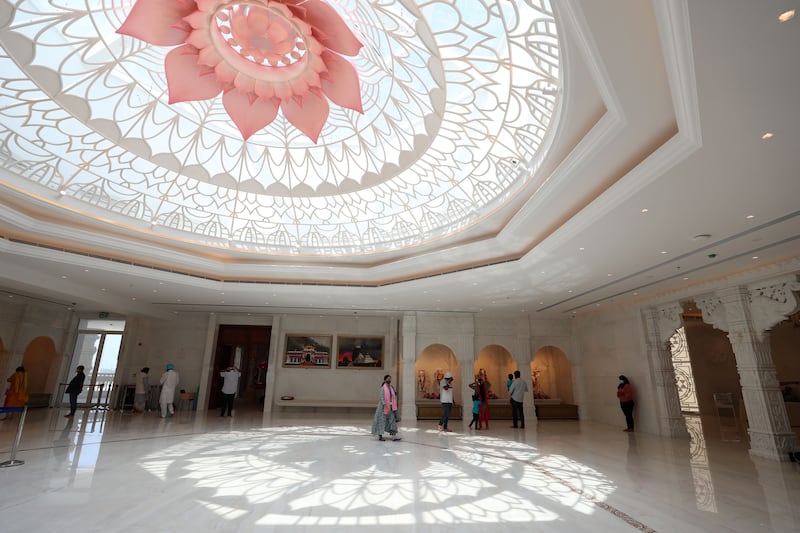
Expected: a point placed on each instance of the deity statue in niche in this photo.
(439, 376)
(421, 377)
(537, 385)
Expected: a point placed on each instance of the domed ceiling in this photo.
(459, 100)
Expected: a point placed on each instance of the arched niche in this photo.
(435, 357)
(551, 375)
(39, 358)
(498, 363)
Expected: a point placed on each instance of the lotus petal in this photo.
(341, 84)
(329, 28)
(248, 117)
(186, 79)
(158, 22)
(308, 116)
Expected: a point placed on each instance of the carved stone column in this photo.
(746, 313)
(660, 324)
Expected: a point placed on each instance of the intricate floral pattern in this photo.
(264, 55)
(458, 101)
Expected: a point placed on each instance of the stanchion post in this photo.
(13, 461)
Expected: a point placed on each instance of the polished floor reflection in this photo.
(113, 471)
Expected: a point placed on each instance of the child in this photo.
(476, 410)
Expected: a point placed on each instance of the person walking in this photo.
(446, 398)
(169, 382)
(140, 392)
(385, 418)
(230, 386)
(17, 392)
(74, 389)
(517, 391)
(476, 411)
(625, 396)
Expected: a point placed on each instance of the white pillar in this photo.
(746, 313)
(408, 358)
(660, 324)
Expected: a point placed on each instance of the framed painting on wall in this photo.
(359, 352)
(308, 351)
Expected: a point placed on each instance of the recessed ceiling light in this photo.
(767, 136)
(754, 257)
(663, 251)
(103, 289)
(86, 270)
(701, 237)
(645, 210)
(569, 290)
(750, 217)
(63, 277)
(133, 298)
(581, 248)
(609, 275)
(636, 294)
(684, 279)
(786, 16)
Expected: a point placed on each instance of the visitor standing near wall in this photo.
(517, 391)
(169, 382)
(230, 386)
(446, 397)
(74, 389)
(625, 396)
(17, 393)
(385, 419)
(140, 393)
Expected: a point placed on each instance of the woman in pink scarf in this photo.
(385, 419)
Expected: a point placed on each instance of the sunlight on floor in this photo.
(463, 481)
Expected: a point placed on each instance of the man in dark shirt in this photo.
(74, 389)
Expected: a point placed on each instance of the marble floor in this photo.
(119, 472)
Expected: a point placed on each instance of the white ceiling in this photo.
(663, 107)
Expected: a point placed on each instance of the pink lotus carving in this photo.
(263, 55)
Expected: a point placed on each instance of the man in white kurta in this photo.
(169, 382)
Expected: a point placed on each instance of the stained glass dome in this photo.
(459, 100)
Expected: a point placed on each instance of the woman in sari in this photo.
(385, 419)
(17, 393)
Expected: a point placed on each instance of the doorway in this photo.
(97, 349)
(246, 348)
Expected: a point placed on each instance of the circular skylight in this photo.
(458, 99)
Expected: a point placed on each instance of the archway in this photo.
(39, 360)
(497, 363)
(551, 380)
(432, 363)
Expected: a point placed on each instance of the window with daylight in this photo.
(683, 372)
